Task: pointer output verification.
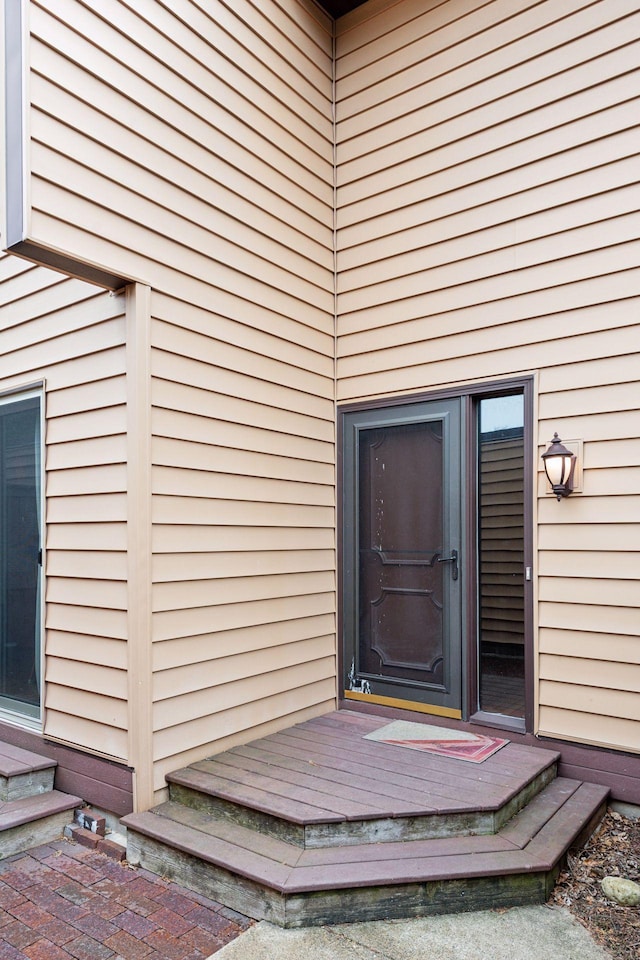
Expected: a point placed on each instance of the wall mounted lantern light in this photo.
(559, 465)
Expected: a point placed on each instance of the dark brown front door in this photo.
(402, 570)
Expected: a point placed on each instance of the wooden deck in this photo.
(31, 811)
(316, 825)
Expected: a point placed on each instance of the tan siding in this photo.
(110, 478)
(208, 593)
(97, 650)
(95, 734)
(245, 722)
(227, 486)
(487, 226)
(190, 147)
(194, 705)
(590, 673)
(590, 727)
(487, 205)
(99, 536)
(197, 621)
(242, 718)
(197, 427)
(565, 563)
(245, 115)
(71, 336)
(588, 645)
(192, 566)
(186, 680)
(183, 652)
(172, 538)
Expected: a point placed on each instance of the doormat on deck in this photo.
(457, 744)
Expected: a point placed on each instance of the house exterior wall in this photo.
(70, 336)
(486, 168)
(189, 148)
(487, 159)
(243, 529)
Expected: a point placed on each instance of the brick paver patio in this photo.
(64, 900)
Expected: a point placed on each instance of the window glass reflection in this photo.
(501, 555)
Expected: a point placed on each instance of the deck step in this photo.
(327, 797)
(29, 821)
(272, 878)
(23, 773)
(321, 824)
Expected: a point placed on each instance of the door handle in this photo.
(452, 559)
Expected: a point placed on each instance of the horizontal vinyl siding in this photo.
(243, 533)
(189, 146)
(202, 119)
(71, 336)
(487, 227)
(589, 584)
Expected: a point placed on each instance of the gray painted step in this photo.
(270, 878)
(23, 773)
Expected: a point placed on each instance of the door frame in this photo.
(446, 700)
(33, 720)
(468, 394)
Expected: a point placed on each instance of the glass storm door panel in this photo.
(19, 556)
(501, 614)
(402, 596)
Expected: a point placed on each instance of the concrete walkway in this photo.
(523, 933)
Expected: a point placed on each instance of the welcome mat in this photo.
(457, 744)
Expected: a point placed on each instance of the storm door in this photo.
(20, 526)
(401, 563)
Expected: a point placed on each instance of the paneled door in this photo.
(402, 563)
(20, 540)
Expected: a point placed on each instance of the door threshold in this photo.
(432, 710)
(500, 720)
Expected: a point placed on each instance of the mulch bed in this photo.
(613, 850)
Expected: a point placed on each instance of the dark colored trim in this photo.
(14, 119)
(514, 724)
(493, 387)
(67, 265)
(103, 783)
(502, 388)
(530, 478)
(340, 548)
(471, 561)
(449, 410)
(618, 771)
(467, 393)
(338, 8)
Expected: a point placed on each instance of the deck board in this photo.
(346, 798)
(336, 769)
(386, 798)
(368, 853)
(512, 760)
(289, 792)
(257, 797)
(521, 829)
(323, 771)
(430, 767)
(440, 778)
